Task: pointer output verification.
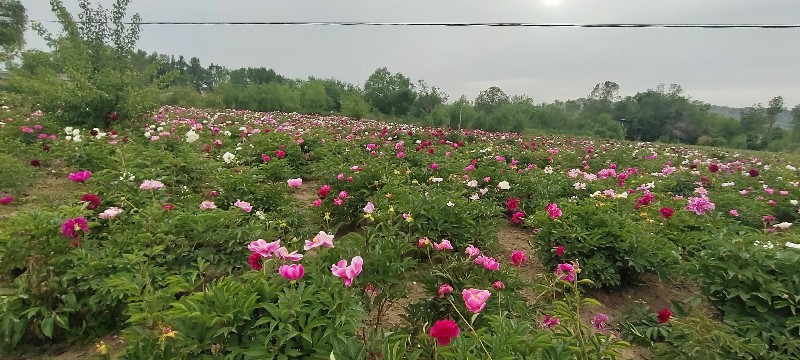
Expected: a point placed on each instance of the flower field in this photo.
(242, 235)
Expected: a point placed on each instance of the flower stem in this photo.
(471, 329)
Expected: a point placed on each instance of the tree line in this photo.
(93, 69)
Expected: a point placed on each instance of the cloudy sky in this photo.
(733, 67)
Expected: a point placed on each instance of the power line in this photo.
(460, 24)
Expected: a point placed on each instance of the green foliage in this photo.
(612, 246)
(12, 26)
(753, 281)
(389, 93)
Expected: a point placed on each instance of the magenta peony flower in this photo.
(5, 200)
(565, 272)
(444, 331)
(291, 272)
(550, 321)
(71, 228)
(255, 261)
(80, 176)
(518, 258)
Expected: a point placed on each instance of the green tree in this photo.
(796, 123)
(314, 97)
(428, 98)
(391, 94)
(91, 79)
(490, 99)
(776, 107)
(13, 23)
(354, 106)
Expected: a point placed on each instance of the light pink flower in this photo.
(110, 213)
(472, 251)
(348, 273)
(291, 272)
(151, 185)
(321, 239)
(475, 299)
(245, 206)
(444, 245)
(369, 208)
(207, 205)
(294, 183)
(284, 254)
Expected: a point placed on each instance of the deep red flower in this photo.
(666, 212)
(444, 331)
(664, 315)
(713, 168)
(168, 207)
(753, 172)
(560, 250)
(92, 199)
(255, 261)
(36, 162)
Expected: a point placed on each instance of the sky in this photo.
(729, 67)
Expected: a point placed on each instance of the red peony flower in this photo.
(664, 315)
(713, 168)
(92, 199)
(560, 250)
(666, 212)
(444, 331)
(753, 173)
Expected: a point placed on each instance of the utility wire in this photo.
(463, 24)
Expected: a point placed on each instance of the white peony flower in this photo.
(504, 185)
(228, 157)
(192, 136)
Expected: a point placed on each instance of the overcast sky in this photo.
(733, 67)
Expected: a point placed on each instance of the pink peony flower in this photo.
(475, 299)
(498, 285)
(348, 273)
(80, 176)
(553, 211)
(5, 200)
(264, 248)
(472, 251)
(491, 264)
(321, 239)
(444, 289)
(284, 254)
(291, 272)
(700, 205)
(317, 203)
(560, 250)
(323, 191)
(443, 245)
(600, 321)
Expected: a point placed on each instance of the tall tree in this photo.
(490, 99)
(13, 22)
(389, 93)
(776, 107)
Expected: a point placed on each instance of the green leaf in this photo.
(47, 327)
